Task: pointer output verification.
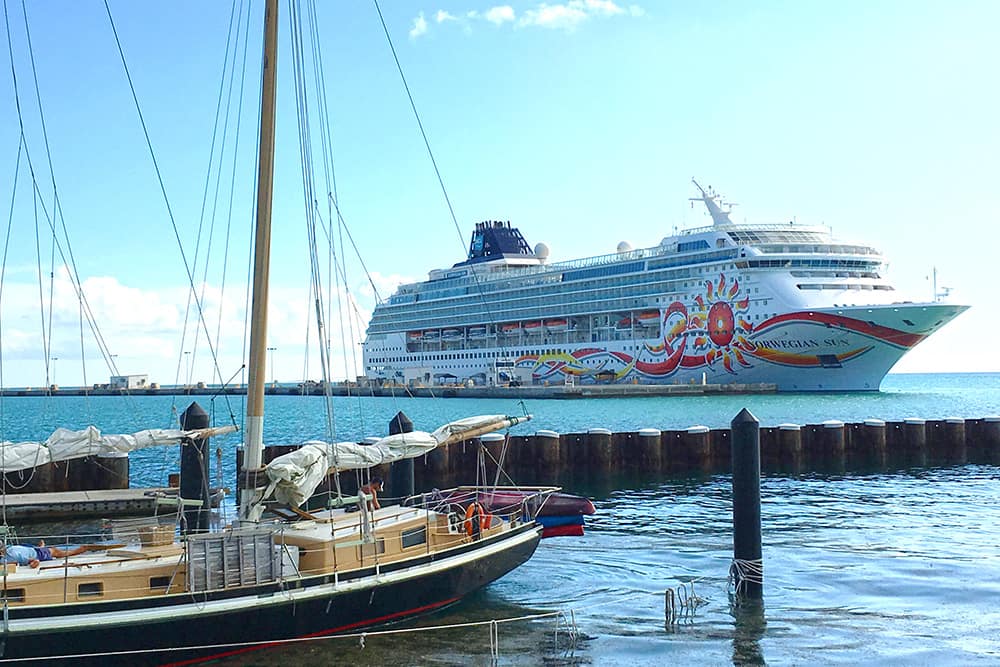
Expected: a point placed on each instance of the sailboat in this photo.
(257, 582)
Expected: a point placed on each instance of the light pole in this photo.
(274, 381)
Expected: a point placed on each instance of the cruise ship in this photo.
(784, 304)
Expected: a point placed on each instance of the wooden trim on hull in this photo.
(312, 606)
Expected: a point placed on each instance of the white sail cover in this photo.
(65, 444)
(295, 476)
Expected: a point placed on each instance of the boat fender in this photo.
(476, 519)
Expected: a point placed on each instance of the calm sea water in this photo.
(896, 567)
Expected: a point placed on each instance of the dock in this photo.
(566, 391)
(85, 504)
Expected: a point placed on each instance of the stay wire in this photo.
(430, 153)
(163, 190)
(181, 353)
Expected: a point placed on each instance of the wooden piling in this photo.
(790, 446)
(493, 444)
(914, 448)
(401, 480)
(113, 470)
(696, 447)
(988, 439)
(599, 450)
(547, 451)
(195, 470)
(648, 455)
(867, 443)
(825, 446)
(748, 565)
(946, 440)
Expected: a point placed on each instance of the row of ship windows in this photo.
(459, 312)
(579, 277)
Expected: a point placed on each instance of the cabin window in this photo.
(13, 594)
(414, 537)
(159, 583)
(373, 548)
(90, 590)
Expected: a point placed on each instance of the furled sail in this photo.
(295, 476)
(65, 444)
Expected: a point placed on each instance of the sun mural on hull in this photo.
(715, 333)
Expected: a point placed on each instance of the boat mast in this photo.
(254, 440)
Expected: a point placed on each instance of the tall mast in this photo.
(254, 440)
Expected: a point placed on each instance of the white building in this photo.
(129, 382)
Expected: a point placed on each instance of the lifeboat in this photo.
(555, 326)
(648, 318)
(511, 329)
(451, 334)
(477, 332)
(432, 335)
(532, 327)
(624, 324)
(415, 336)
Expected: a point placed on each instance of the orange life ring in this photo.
(473, 512)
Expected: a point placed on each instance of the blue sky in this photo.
(581, 122)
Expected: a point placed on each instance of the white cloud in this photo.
(419, 26)
(500, 15)
(565, 17)
(145, 331)
(559, 16)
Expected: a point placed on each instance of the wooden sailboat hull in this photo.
(192, 627)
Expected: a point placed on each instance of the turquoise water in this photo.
(897, 567)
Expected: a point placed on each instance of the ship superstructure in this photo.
(728, 303)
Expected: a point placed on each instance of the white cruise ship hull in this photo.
(776, 303)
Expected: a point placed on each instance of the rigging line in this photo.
(475, 277)
(74, 277)
(204, 200)
(56, 203)
(305, 143)
(326, 137)
(218, 176)
(3, 273)
(232, 183)
(329, 172)
(163, 189)
(41, 291)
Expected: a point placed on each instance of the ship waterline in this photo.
(785, 304)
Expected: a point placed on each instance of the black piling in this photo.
(194, 470)
(748, 568)
(401, 472)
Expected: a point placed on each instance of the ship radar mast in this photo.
(713, 202)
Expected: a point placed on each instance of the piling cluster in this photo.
(831, 446)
